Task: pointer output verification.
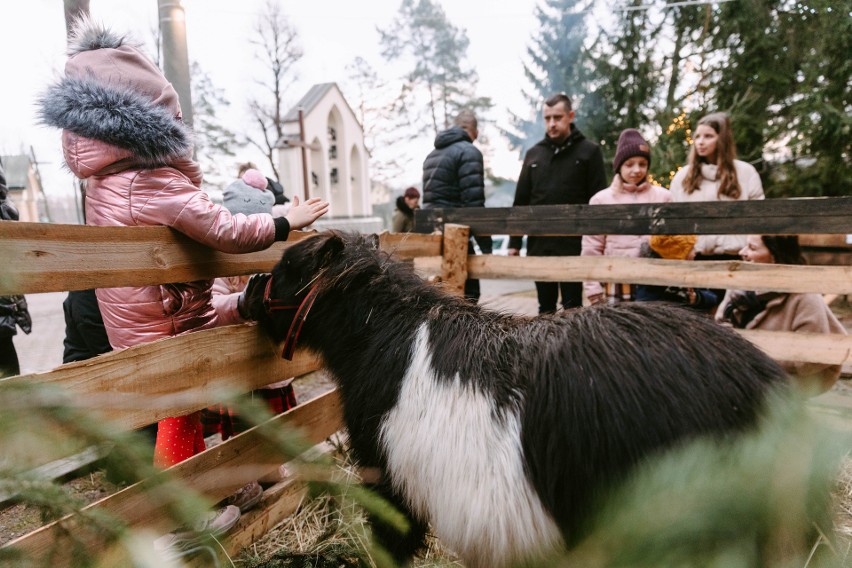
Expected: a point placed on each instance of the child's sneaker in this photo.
(247, 497)
(214, 523)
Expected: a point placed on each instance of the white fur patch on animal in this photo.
(461, 466)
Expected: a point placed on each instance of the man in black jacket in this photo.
(562, 168)
(453, 176)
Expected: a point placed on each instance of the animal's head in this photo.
(307, 271)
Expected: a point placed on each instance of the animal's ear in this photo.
(330, 248)
(373, 241)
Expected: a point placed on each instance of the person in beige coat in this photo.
(774, 311)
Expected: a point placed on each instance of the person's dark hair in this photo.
(726, 153)
(785, 249)
(554, 100)
(242, 168)
(412, 192)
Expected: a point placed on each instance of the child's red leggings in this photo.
(178, 438)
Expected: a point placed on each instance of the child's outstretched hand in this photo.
(303, 214)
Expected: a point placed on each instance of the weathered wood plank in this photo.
(454, 264)
(411, 245)
(171, 377)
(829, 215)
(62, 467)
(826, 241)
(278, 502)
(216, 473)
(802, 347)
(731, 275)
(42, 257)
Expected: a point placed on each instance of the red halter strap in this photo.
(271, 305)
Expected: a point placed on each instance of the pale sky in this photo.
(332, 33)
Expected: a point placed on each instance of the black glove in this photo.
(250, 302)
(22, 314)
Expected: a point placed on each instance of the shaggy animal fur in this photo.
(503, 432)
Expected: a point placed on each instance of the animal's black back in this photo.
(627, 382)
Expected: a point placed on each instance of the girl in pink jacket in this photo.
(630, 185)
(122, 132)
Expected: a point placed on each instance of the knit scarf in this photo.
(622, 185)
(631, 188)
(709, 171)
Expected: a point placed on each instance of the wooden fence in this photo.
(183, 374)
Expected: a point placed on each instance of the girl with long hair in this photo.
(715, 174)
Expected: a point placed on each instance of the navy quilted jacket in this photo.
(453, 175)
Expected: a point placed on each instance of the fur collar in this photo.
(117, 116)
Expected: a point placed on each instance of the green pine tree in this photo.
(559, 61)
(440, 82)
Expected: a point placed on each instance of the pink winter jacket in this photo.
(619, 245)
(122, 132)
(118, 194)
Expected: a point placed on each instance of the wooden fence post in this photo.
(454, 258)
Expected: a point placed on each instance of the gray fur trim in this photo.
(116, 115)
(86, 35)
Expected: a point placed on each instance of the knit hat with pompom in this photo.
(255, 178)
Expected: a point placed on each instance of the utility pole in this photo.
(175, 56)
(303, 144)
(73, 10)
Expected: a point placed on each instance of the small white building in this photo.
(335, 159)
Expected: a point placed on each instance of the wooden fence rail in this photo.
(40, 257)
(830, 215)
(712, 274)
(140, 385)
(215, 473)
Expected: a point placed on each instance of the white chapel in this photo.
(334, 161)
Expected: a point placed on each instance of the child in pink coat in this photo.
(122, 132)
(630, 185)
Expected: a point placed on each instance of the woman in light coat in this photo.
(774, 311)
(714, 174)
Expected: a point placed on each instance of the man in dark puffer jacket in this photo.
(453, 176)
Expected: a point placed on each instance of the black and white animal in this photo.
(502, 432)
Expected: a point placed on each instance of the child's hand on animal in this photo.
(303, 214)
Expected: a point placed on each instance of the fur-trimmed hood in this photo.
(112, 93)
